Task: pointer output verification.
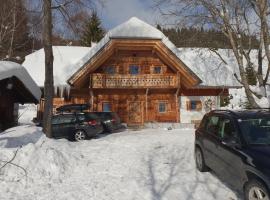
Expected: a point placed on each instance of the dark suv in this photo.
(236, 145)
(110, 121)
(76, 126)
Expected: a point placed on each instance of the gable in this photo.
(188, 78)
(142, 36)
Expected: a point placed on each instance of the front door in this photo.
(135, 112)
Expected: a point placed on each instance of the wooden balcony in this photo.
(134, 81)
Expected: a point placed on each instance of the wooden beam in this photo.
(146, 104)
(177, 106)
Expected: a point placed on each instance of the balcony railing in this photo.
(134, 81)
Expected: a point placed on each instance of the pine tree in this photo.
(93, 31)
(159, 27)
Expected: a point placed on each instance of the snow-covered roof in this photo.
(205, 65)
(133, 28)
(10, 69)
(211, 69)
(65, 59)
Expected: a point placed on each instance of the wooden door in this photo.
(135, 112)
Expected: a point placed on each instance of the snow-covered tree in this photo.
(236, 19)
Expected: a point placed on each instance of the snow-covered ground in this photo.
(152, 164)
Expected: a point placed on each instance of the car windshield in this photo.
(256, 131)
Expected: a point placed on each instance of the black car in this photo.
(76, 126)
(236, 145)
(110, 121)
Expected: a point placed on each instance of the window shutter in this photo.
(199, 106)
(188, 105)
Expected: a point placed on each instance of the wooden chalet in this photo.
(137, 72)
(16, 86)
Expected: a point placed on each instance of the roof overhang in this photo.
(188, 77)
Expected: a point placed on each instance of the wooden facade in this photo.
(141, 80)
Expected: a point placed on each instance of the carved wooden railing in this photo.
(134, 81)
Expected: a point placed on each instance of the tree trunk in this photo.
(48, 84)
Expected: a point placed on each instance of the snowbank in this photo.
(26, 113)
(146, 164)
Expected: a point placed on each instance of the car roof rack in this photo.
(228, 111)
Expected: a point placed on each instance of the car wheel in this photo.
(79, 135)
(255, 190)
(199, 158)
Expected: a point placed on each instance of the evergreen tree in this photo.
(159, 27)
(92, 31)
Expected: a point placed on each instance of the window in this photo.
(194, 105)
(226, 129)
(157, 70)
(134, 69)
(212, 125)
(162, 107)
(110, 70)
(55, 120)
(65, 119)
(106, 107)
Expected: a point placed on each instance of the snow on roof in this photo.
(10, 69)
(206, 65)
(65, 59)
(210, 67)
(133, 28)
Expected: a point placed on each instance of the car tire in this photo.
(255, 189)
(79, 135)
(199, 159)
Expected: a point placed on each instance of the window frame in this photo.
(131, 71)
(165, 106)
(157, 72)
(108, 103)
(197, 108)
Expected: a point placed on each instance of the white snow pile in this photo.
(26, 113)
(239, 99)
(10, 69)
(65, 59)
(146, 164)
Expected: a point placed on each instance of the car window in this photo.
(256, 131)
(81, 117)
(66, 119)
(91, 116)
(226, 129)
(212, 125)
(55, 120)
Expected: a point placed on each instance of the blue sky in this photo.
(116, 12)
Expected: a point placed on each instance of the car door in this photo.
(211, 141)
(56, 127)
(228, 152)
(65, 126)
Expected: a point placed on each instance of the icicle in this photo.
(55, 90)
(61, 87)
